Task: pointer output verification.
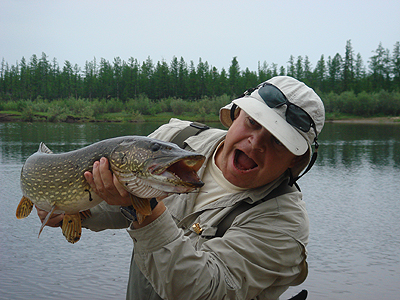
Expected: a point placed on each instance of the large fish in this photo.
(146, 167)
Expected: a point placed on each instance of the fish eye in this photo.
(155, 147)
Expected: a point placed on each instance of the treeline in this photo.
(126, 80)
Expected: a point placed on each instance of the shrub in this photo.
(28, 114)
(57, 113)
(366, 105)
(178, 106)
(164, 105)
(136, 117)
(142, 104)
(41, 105)
(388, 103)
(114, 105)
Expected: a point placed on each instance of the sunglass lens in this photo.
(295, 115)
(298, 118)
(272, 96)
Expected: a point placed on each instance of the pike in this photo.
(147, 168)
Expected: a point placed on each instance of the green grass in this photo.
(142, 109)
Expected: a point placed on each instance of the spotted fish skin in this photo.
(146, 168)
(49, 179)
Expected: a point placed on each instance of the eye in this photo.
(252, 122)
(155, 147)
(122, 158)
(277, 142)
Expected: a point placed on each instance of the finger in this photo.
(90, 180)
(96, 182)
(103, 183)
(54, 221)
(96, 173)
(89, 177)
(107, 176)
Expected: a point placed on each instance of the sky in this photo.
(214, 30)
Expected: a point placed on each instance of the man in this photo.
(178, 251)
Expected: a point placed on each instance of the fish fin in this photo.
(44, 149)
(142, 207)
(71, 227)
(24, 208)
(53, 208)
(140, 218)
(85, 214)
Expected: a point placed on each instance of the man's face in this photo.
(250, 156)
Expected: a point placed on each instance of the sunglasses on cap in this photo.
(295, 115)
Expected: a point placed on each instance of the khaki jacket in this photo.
(259, 257)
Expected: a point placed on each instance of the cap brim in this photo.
(274, 123)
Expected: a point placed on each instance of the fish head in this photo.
(152, 168)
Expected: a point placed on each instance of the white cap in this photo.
(274, 119)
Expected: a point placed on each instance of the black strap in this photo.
(300, 296)
(243, 206)
(193, 129)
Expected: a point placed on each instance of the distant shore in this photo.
(374, 120)
(16, 117)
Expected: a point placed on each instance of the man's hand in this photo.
(54, 221)
(106, 185)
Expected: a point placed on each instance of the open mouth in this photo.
(182, 171)
(243, 162)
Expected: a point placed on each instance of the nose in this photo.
(259, 139)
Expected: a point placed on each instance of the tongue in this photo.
(244, 162)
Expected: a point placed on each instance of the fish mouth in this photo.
(243, 162)
(180, 171)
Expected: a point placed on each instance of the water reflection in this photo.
(19, 139)
(351, 195)
(351, 145)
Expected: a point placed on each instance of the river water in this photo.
(351, 194)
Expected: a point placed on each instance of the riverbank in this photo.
(164, 117)
(373, 120)
(7, 116)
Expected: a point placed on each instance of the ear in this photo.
(235, 110)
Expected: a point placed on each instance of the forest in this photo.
(345, 83)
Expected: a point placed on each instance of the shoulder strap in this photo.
(243, 206)
(193, 129)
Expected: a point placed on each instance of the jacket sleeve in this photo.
(105, 216)
(251, 259)
(167, 132)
